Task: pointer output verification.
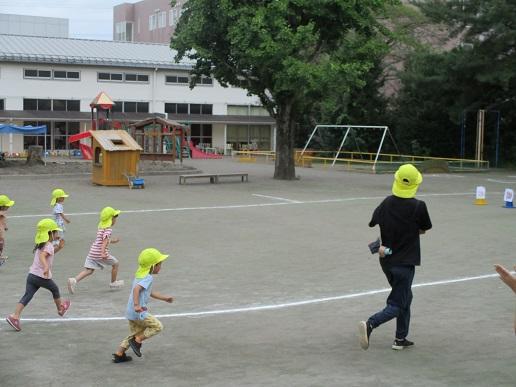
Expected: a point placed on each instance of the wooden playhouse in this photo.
(115, 156)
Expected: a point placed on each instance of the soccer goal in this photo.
(350, 134)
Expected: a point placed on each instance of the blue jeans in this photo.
(399, 300)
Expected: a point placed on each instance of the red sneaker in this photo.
(14, 322)
(64, 307)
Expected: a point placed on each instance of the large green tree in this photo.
(441, 87)
(289, 53)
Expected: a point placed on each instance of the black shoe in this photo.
(121, 359)
(135, 347)
(398, 345)
(364, 332)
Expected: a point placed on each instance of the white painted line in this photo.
(236, 206)
(444, 175)
(246, 309)
(277, 198)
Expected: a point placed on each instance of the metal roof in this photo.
(115, 140)
(39, 49)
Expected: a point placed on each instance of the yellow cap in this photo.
(406, 181)
(106, 216)
(42, 229)
(56, 194)
(148, 258)
(5, 201)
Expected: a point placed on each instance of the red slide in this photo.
(86, 151)
(198, 154)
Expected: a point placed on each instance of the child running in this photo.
(58, 198)
(99, 256)
(5, 204)
(142, 325)
(40, 273)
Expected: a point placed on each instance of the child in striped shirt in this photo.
(99, 256)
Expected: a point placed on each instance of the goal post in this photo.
(384, 130)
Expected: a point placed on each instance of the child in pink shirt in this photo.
(40, 273)
(5, 204)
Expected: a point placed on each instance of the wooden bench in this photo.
(214, 177)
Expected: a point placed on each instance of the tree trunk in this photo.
(285, 163)
(35, 154)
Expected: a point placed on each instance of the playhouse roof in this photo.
(103, 100)
(115, 140)
(157, 120)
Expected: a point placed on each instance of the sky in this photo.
(88, 19)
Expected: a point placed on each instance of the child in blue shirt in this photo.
(142, 324)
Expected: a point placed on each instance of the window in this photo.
(182, 108)
(249, 136)
(118, 106)
(207, 81)
(207, 109)
(59, 74)
(130, 107)
(62, 74)
(175, 79)
(195, 108)
(238, 110)
(73, 105)
(59, 105)
(30, 104)
(51, 74)
(124, 31)
(98, 156)
(115, 77)
(129, 77)
(2, 105)
(30, 73)
(153, 22)
(171, 108)
(142, 107)
(44, 104)
(174, 15)
(40, 138)
(201, 134)
(162, 19)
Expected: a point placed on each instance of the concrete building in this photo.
(33, 25)
(152, 21)
(52, 81)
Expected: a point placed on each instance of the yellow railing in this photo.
(386, 161)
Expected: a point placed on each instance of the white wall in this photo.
(14, 87)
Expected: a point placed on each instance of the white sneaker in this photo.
(72, 285)
(3, 259)
(117, 284)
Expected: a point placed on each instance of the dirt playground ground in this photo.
(270, 279)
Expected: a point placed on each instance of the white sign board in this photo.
(481, 192)
(509, 195)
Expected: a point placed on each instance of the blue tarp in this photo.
(7, 128)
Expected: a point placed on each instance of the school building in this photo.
(51, 81)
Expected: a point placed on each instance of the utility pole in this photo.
(479, 154)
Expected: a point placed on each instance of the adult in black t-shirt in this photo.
(401, 218)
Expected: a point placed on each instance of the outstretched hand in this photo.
(506, 276)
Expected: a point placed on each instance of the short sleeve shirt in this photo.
(96, 247)
(58, 209)
(37, 268)
(3, 224)
(145, 292)
(400, 221)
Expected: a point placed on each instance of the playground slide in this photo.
(86, 151)
(198, 154)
